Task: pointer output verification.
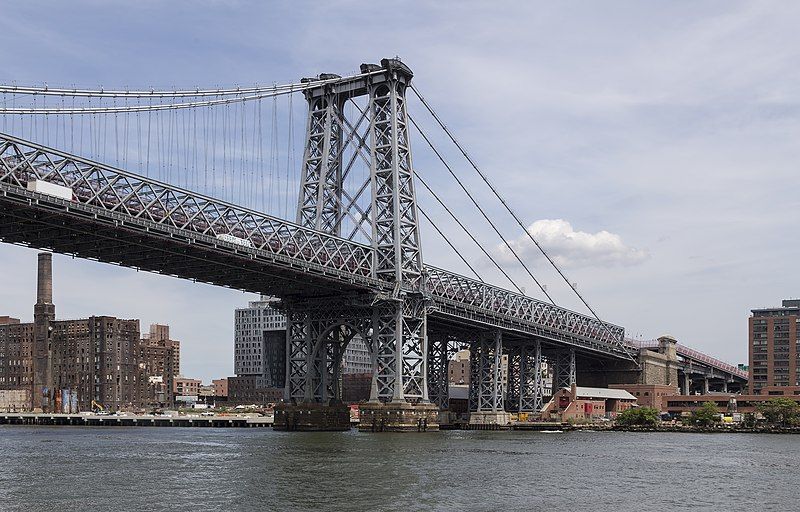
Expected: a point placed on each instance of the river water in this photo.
(175, 469)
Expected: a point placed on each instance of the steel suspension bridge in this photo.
(202, 186)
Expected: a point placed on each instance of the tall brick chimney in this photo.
(44, 312)
(44, 284)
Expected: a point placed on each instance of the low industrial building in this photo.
(648, 395)
(726, 403)
(220, 387)
(14, 400)
(586, 404)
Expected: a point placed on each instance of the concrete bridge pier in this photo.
(312, 417)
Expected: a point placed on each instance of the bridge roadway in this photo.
(118, 217)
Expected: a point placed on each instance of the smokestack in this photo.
(44, 286)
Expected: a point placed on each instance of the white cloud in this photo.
(571, 248)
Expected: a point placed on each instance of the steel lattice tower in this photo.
(393, 327)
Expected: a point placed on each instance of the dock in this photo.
(100, 420)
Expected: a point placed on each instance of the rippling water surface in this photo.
(84, 468)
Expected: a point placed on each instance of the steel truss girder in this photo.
(26, 220)
(130, 196)
(126, 198)
(554, 322)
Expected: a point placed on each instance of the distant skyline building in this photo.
(774, 364)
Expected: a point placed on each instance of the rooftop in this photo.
(605, 393)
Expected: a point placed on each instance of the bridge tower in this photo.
(392, 323)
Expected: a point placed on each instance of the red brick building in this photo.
(585, 404)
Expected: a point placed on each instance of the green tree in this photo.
(706, 415)
(640, 416)
(780, 411)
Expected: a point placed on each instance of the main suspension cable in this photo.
(481, 210)
(143, 108)
(504, 203)
(464, 228)
(185, 93)
(458, 253)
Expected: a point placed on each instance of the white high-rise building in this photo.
(260, 343)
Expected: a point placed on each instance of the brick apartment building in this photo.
(773, 348)
(186, 387)
(220, 387)
(161, 359)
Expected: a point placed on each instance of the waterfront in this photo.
(84, 468)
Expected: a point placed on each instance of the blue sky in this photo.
(652, 146)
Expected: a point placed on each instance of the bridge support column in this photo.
(531, 380)
(705, 386)
(399, 398)
(438, 361)
(317, 334)
(686, 384)
(485, 382)
(513, 386)
(564, 370)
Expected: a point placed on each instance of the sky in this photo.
(650, 147)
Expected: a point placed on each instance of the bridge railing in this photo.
(116, 190)
(686, 352)
(471, 292)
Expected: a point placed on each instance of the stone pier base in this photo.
(398, 417)
(480, 419)
(311, 417)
